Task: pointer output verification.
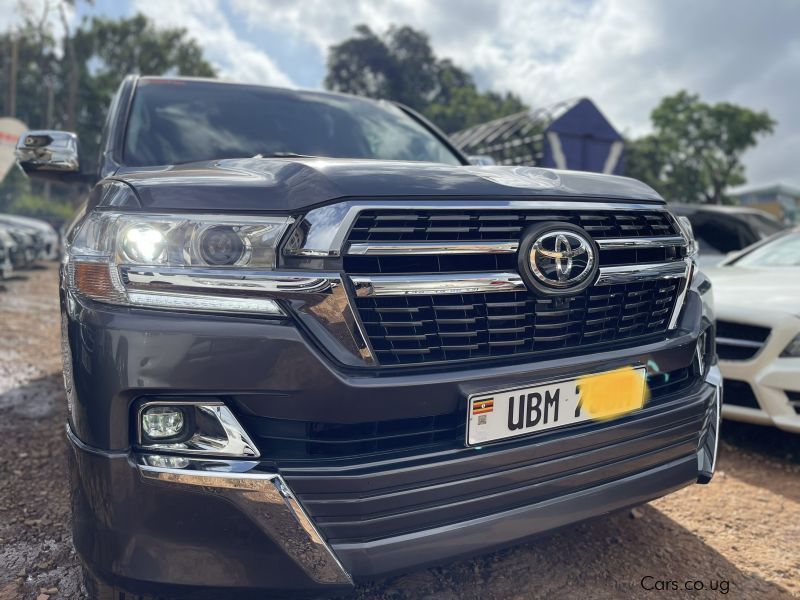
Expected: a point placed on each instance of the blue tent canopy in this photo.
(573, 134)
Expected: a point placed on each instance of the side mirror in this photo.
(481, 160)
(48, 154)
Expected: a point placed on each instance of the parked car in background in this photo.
(8, 248)
(47, 237)
(720, 230)
(27, 245)
(757, 297)
(287, 371)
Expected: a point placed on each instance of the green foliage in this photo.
(401, 66)
(68, 84)
(695, 152)
(107, 50)
(16, 197)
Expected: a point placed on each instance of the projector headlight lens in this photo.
(221, 245)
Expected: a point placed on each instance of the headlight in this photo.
(186, 262)
(686, 229)
(793, 349)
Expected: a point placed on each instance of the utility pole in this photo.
(12, 84)
(48, 125)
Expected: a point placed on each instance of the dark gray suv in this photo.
(306, 342)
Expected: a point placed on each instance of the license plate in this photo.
(523, 411)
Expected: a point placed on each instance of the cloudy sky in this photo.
(625, 55)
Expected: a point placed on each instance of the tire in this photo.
(98, 590)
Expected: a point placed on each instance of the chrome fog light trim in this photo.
(211, 429)
(265, 498)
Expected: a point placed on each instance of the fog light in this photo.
(160, 422)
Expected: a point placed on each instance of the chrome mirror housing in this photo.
(481, 160)
(48, 153)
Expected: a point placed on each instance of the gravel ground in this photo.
(740, 534)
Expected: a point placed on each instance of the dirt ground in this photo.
(737, 537)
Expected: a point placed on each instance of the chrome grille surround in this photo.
(324, 239)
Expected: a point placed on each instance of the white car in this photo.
(757, 297)
(51, 245)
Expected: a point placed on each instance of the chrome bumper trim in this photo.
(714, 378)
(264, 497)
(319, 299)
(230, 439)
(469, 283)
(273, 283)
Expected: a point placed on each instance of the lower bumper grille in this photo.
(286, 441)
(434, 328)
(738, 341)
(394, 497)
(739, 393)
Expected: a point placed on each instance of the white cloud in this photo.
(43, 12)
(624, 55)
(206, 21)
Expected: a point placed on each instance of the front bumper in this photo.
(231, 525)
(296, 525)
(772, 378)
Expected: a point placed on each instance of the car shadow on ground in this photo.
(752, 453)
(768, 441)
(618, 556)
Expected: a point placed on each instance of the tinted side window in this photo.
(717, 233)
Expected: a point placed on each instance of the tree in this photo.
(401, 66)
(107, 50)
(69, 83)
(695, 152)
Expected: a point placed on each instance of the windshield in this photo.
(763, 224)
(175, 121)
(783, 251)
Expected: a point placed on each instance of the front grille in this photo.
(739, 393)
(290, 440)
(473, 225)
(433, 328)
(739, 341)
(424, 327)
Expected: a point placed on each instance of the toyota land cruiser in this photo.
(306, 342)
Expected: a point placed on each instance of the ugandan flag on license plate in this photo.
(481, 407)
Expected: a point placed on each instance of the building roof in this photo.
(774, 188)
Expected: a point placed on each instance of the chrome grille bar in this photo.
(392, 248)
(440, 283)
(454, 247)
(641, 243)
(468, 283)
(641, 272)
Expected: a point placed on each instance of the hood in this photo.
(282, 184)
(750, 289)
